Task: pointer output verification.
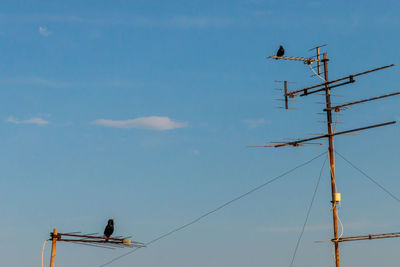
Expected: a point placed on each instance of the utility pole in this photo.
(326, 87)
(54, 237)
(90, 240)
(331, 156)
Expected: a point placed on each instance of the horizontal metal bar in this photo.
(91, 241)
(296, 143)
(341, 79)
(89, 236)
(294, 58)
(337, 108)
(323, 89)
(366, 237)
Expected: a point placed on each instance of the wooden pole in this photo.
(53, 247)
(331, 160)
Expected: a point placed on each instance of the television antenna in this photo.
(92, 240)
(325, 87)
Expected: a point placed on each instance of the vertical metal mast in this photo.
(54, 237)
(326, 87)
(331, 158)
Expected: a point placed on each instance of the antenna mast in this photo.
(91, 239)
(326, 87)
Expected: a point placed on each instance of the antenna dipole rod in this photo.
(319, 61)
(286, 96)
(331, 158)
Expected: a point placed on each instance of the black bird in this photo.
(109, 228)
(280, 52)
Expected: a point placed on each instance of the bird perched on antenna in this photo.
(109, 229)
(280, 52)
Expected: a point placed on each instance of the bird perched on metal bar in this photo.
(280, 52)
(109, 229)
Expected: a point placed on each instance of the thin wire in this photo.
(44, 244)
(370, 178)
(341, 225)
(316, 73)
(308, 212)
(216, 209)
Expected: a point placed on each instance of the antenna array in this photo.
(326, 88)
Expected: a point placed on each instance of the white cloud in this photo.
(33, 120)
(43, 31)
(252, 124)
(152, 123)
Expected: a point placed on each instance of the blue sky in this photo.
(142, 111)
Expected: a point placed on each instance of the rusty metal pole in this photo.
(53, 246)
(331, 160)
(318, 61)
(286, 96)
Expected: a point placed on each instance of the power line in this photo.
(308, 212)
(369, 177)
(216, 209)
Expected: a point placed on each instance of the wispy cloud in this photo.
(33, 120)
(252, 124)
(153, 123)
(44, 31)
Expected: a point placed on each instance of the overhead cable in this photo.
(369, 177)
(308, 213)
(216, 209)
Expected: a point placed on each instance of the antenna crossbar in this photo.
(337, 108)
(296, 143)
(350, 77)
(366, 237)
(306, 92)
(307, 60)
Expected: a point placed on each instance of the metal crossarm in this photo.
(366, 237)
(337, 108)
(307, 60)
(350, 77)
(298, 142)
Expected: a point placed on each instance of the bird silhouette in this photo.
(109, 229)
(280, 52)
